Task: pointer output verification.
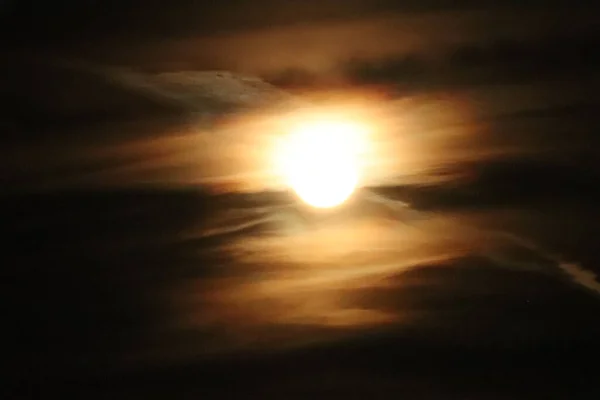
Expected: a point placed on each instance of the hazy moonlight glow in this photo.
(319, 160)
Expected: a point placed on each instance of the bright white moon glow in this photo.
(320, 161)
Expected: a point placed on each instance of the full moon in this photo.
(319, 161)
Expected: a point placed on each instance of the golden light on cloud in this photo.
(320, 158)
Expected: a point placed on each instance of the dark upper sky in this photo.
(73, 20)
(263, 36)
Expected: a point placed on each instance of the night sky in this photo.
(150, 252)
(295, 34)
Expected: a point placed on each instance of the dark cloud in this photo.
(509, 181)
(498, 61)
